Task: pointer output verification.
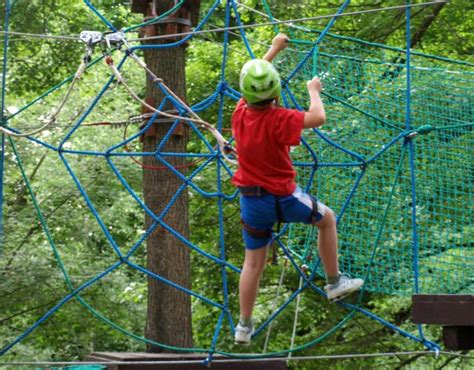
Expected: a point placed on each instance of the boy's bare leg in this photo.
(338, 285)
(327, 243)
(254, 265)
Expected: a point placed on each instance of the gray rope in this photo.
(300, 28)
(295, 321)
(289, 21)
(42, 36)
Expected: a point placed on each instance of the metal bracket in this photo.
(91, 37)
(115, 38)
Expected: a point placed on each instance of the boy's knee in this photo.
(257, 265)
(329, 219)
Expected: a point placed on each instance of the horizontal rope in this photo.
(41, 36)
(289, 21)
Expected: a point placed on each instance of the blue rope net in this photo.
(365, 92)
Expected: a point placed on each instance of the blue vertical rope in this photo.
(226, 41)
(219, 189)
(102, 18)
(408, 126)
(220, 205)
(241, 30)
(318, 41)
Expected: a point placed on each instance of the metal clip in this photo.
(91, 37)
(116, 38)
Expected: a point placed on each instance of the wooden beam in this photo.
(171, 361)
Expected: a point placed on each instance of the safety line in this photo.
(274, 304)
(51, 90)
(52, 117)
(41, 36)
(289, 21)
(223, 144)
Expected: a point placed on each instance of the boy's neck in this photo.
(261, 107)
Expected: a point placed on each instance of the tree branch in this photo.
(425, 24)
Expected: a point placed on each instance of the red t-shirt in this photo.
(263, 139)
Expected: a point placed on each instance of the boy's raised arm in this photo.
(279, 43)
(315, 116)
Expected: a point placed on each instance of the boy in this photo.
(264, 133)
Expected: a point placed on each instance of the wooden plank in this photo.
(173, 361)
(458, 338)
(443, 309)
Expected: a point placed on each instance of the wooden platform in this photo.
(185, 361)
(455, 312)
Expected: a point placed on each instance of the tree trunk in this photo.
(168, 310)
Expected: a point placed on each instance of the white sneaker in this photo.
(342, 288)
(243, 334)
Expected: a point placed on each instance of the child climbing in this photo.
(265, 176)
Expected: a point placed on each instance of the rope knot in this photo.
(425, 129)
(223, 86)
(422, 130)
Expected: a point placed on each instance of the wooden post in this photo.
(168, 309)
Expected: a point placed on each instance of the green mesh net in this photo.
(371, 167)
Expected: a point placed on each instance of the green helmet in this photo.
(259, 81)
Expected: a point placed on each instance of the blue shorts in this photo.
(259, 213)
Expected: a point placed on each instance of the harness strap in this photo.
(257, 234)
(279, 214)
(258, 191)
(253, 191)
(314, 214)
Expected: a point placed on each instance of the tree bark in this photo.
(418, 35)
(168, 310)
